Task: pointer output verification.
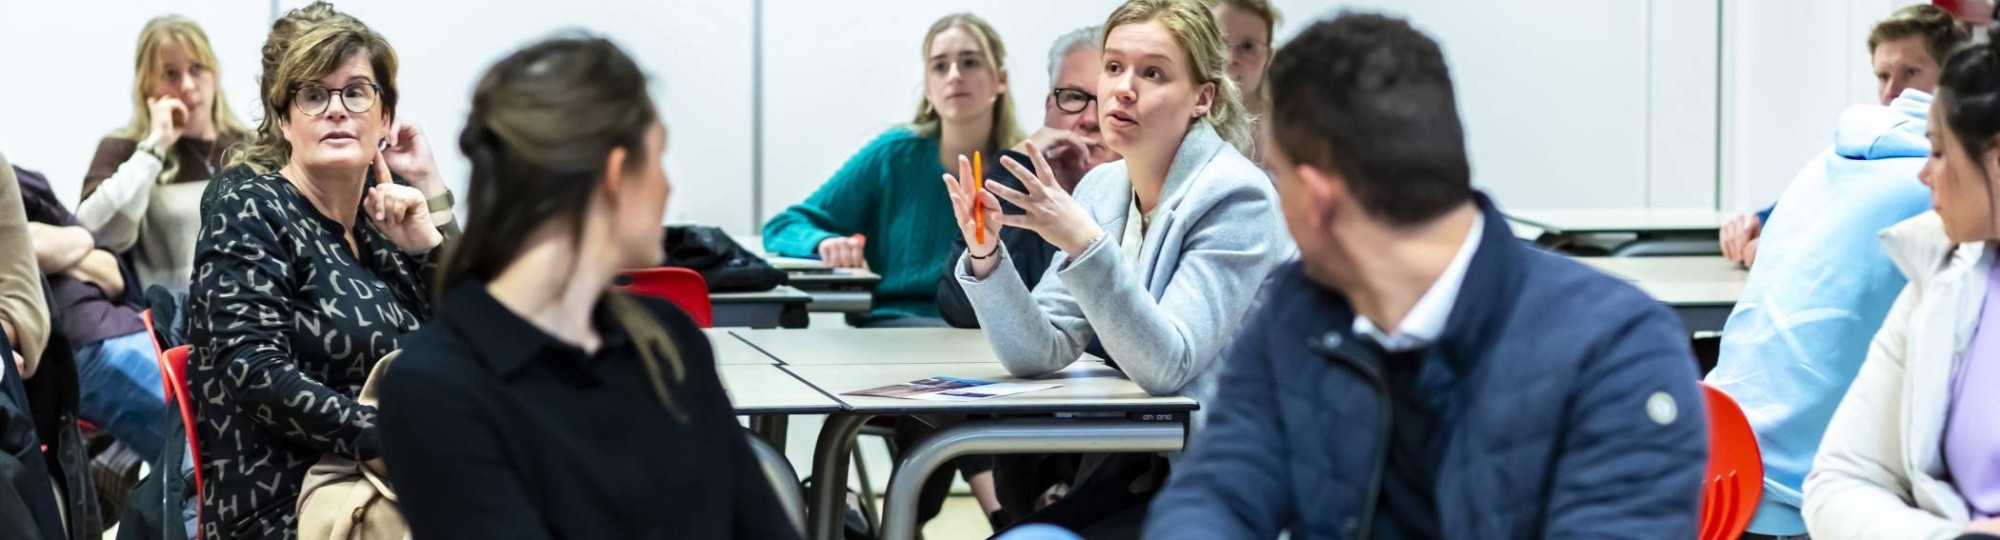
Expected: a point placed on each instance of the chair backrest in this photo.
(146, 318)
(681, 286)
(1735, 477)
(784, 481)
(173, 368)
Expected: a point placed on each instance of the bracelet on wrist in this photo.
(441, 203)
(989, 254)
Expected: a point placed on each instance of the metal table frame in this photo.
(977, 436)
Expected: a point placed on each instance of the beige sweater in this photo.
(21, 301)
(132, 209)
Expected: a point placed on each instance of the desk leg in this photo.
(794, 316)
(829, 489)
(771, 428)
(1013, 436)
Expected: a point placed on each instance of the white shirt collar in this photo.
(1426, 319)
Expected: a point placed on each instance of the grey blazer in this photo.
(1214, 238)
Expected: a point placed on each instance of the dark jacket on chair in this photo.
(1574, 414)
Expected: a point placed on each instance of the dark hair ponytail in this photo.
(543, 122)
(1969, 92)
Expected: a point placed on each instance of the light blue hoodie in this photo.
(1819, 291)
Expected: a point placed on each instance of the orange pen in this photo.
(978, 201)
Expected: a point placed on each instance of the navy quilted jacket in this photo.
(1582, 417)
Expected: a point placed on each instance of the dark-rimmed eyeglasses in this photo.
(1071, 100)
(357, 98)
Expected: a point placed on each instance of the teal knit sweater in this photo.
(892, 192)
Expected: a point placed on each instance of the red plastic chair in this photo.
(681, 286)
(146, 317)
(173, 368)
(1735, 477)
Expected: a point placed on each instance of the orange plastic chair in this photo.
(173, 368)
(1735, 477)
(683, 287)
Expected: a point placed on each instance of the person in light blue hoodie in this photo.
(1906, 51)
(1821, 287)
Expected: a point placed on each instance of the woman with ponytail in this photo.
(1913, 450)
(539, 403)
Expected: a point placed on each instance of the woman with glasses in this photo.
(142, 193)
(889, 191)
(307, 273)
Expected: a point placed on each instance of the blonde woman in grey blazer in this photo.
(1162, 253)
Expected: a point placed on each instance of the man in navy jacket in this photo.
(1420, 372)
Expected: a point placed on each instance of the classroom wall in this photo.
(1792, 67)
(1568, 103)
(696, 52)
(1573, 103)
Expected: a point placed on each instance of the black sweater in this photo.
(493, 429)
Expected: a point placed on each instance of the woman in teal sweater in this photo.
(889, 192)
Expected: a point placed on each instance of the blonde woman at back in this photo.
(1250, 28)
(1161, 253)
(142, 193)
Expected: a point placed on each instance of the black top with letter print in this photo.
(286, 321)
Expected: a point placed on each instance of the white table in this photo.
(837, 346)
(1087, 386)
(1621, 220)
(758, 388)
(1622, 231)
(731, 350)
(782, 307)
(769, 389)
(1148, 424)
(1702, 290)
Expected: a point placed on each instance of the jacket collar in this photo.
(1197, 149)
(1920, 249)
(1492, 284)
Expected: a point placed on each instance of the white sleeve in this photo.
(114, 210)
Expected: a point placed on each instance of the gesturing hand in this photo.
(1046, 208)
(975, 210)
(399, 212)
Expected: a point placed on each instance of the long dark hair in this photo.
(1969, 92)
(543, 121)
(1969, 95)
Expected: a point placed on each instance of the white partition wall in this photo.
(697, 54)
(1793, 66)
(1568, 103)
(1575, 103)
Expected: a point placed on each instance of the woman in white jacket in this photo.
(1913, 451)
